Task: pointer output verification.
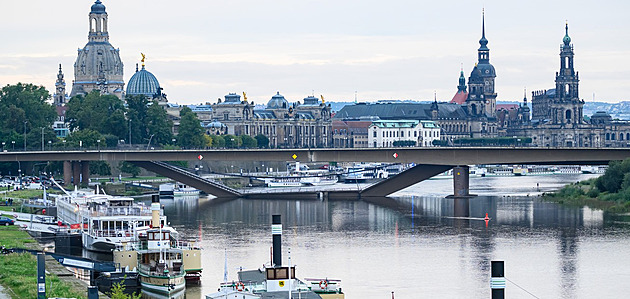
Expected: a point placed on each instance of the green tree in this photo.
(85, 139)
(25, 102)
(137, 112)
(218, 141)
(100, 168)
(102, 113)
(129, 168)
(248, 141)
(613, 179)
(262, 141)
(190, 130)
(232, 141)
(159, 125)
(118, 292)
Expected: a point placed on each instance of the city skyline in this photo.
(404, 50)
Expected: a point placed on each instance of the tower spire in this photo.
(484, 52)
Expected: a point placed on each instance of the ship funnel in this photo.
(276, 232)
(155, 210)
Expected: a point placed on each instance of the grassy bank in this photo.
(586, 193)
(19, 271)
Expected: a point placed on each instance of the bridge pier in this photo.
(461, 191)
(76, 172)
(461, 185)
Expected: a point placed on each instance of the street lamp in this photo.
(149, 144)
(49, 145)
(98, 144)
(64, 144)
(3, 146)
(42, 139)
(25, 135)
(13, 144)
(173, 140)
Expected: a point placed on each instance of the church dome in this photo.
(278, 102)
(143, 82)
(486, 70)
(98, 7)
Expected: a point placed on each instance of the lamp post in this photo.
(173, 140)
(64, 144)
(98, 144)
(3, 146)
(130, 132)
(149, 144)
(25, 135)
(13, 144)
(49, 145)
(42, 139)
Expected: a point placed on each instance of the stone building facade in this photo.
(306, 124)
(557, 117)
(385, 133)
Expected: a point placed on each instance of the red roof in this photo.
(460, 97)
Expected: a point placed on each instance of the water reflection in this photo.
(412, 245)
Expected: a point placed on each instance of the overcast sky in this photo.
(201, 50)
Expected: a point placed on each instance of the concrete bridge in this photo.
(429, 161)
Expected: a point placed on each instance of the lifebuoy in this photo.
(240, 286)
(323, 284)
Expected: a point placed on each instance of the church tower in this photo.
(567, 106)
(59, 98)
(98, 65)
(481, 96)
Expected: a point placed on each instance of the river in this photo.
(408, 245)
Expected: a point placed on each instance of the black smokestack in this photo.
(276, 232)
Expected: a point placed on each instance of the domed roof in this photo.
(486, 70)
(278, 102)
(143, 82)
(98, 7)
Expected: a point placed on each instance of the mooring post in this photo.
(497, 280)
(92, 292)
(41, 276)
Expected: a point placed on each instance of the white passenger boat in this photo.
(104, 220)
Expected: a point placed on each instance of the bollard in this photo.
(497, 280)
(92, 292)
(41, 276)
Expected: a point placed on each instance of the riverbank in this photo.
(19, 271)
(585, 193)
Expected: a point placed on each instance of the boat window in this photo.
(271, 274)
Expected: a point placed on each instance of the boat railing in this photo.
(110, 233)
(120, 211)
(188, 244)
(323, 285)
(161, 270)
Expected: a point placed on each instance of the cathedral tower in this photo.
(567, 107)
(98, 65)
(481, 96)
(59, 97)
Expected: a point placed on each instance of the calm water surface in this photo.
(410, 246)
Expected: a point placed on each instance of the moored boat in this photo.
(275, 280)
(163, 262)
